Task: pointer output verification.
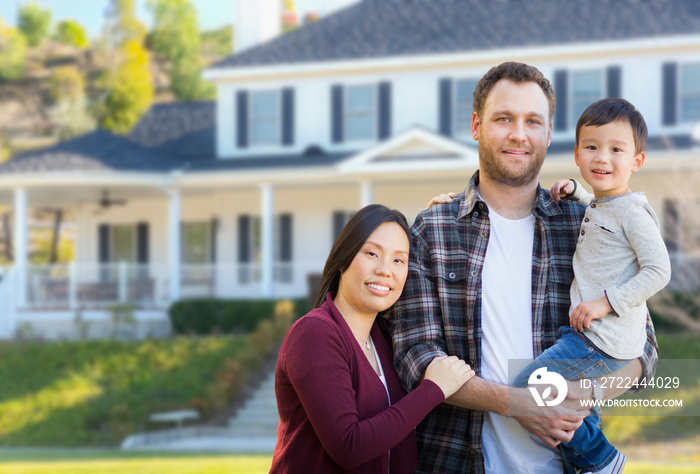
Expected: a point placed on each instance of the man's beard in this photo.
(491, 166)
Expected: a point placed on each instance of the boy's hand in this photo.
(583, 314)
(561, 188)
(441, 199)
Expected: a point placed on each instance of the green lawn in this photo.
(117, 462)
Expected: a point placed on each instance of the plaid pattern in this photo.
(440, 310)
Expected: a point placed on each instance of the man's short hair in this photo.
(516, 72)
(610, 110)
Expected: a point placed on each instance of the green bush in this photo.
(210, 315)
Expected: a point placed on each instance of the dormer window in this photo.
(360, 112)
(265, 118)
(690, 93)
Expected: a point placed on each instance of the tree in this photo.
(66, 83)
(71, 32)
(13, 53)
(176, 38)
(34, 22)
(69, 113)
(122, 25)
(129, 90)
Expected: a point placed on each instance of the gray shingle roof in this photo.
(183, 129)
(94, 151)
(382, 28)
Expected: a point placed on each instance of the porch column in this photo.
(20, 246)
(267, 218)
(174, 254)
(366, 193)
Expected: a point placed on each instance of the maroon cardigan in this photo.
(333, 409)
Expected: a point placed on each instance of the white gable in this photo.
(413, 150)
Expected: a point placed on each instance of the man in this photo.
(489, 281)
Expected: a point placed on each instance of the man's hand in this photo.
(561, 188)
(587, 311)
(553, 425)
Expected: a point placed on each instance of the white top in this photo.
(506, 322)
(620, 254)
(382, 379)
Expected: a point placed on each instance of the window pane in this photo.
(360, 98)
(124, 243)
(256, 239)
(587, 87)
(264, 132)
(464, 100)
(360, 116)
(264, 104)
(690, 93)
(196, 242)
(264, 118)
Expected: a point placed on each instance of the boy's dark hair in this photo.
(610, 110)
(516, 72)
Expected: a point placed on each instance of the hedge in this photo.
(213, 315)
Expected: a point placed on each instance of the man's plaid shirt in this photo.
(439, 312)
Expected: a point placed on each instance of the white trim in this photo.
(527, 53)
(21, 246)
(363, 162)
(267, 215)
(174, 251)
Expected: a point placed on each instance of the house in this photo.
(244, 197)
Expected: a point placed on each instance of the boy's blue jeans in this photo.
(574, 358)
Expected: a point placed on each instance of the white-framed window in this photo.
(360, 112)
(463, 106)
(265, 118)
(123, 243)
(196, 243)
(587, 87)
(689, 92)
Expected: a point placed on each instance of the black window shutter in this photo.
(244, 223)
(338, 223)
(285, 238)
(614, 81)
(142, 242)
(561, 90)
(445, 98)
(287, 116)
(242, 119)
(384, 110)
(337, 114)
(213, 230)
(103, 243)
(669, 93)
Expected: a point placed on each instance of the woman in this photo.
(341, 405)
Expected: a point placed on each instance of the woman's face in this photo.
(375, 278)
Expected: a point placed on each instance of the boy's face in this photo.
(606, 157)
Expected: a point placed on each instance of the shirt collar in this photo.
(544, 204)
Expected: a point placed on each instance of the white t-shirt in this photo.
(506, 322)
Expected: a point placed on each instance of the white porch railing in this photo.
(85, 286)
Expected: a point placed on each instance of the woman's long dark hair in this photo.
(351, 240)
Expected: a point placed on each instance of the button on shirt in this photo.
(439, 314)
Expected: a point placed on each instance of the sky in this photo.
(90, 13)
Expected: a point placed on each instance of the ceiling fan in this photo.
(105, 202)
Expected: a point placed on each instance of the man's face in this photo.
(513, 132)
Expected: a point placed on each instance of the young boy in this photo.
(620, 261)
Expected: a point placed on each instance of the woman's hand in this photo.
(561, 189)
(449, 373)
(441, 199)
